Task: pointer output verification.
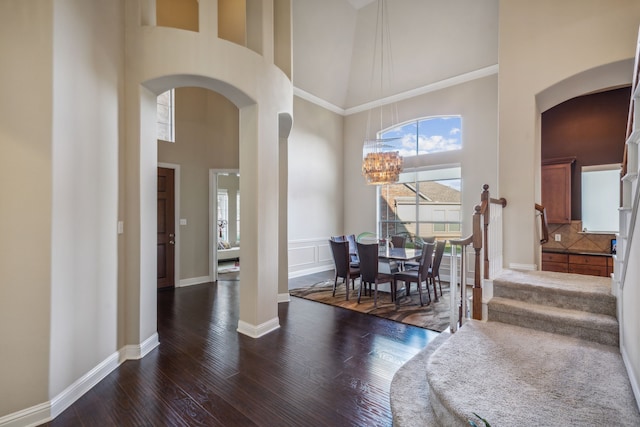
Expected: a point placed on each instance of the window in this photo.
(166, 116)
(600, 198)
(423, 203)
(428, 135)
(223, 216)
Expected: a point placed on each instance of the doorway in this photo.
(166, 228)
(224, 222)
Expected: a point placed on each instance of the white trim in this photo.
(47, 411)
(284, 297)
(299, 273)
(138, 351)
(256, 331)
(527, 267)
(176, 227)
(432, 87)
(442, 84)
(194, 281)
(318, 101)
(32, 416)
(85, 383)
(631, 374)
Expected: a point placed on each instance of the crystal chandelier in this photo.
(381, 159)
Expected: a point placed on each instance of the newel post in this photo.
(477, 246)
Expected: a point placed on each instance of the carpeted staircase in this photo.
(548, 356)
(568, 304)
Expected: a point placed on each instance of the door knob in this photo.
(171, 242)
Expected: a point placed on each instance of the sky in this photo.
(434, 134)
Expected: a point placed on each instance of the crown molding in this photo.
(442, 84)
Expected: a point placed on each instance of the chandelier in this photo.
(380, 163)
(381, 159)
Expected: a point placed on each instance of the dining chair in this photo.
(353, 250)
(419, 242)
(340, 251)
(398, 240)
(370, 273)
(419, 275)
(434, 271)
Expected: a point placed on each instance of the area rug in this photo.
(433, 316)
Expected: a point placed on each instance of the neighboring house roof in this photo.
(430, 192)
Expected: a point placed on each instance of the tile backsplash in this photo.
(573, 239)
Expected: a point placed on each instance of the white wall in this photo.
(88, 71)
(25, 217)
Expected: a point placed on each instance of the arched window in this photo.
(426, 201)
(427, 135)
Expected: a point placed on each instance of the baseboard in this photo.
(193, 281)
(633, 378)
(528, 267)
(300, 273)
(44, 412)
(32, 416)
(284, 297)
(138, 351)
(256, 331)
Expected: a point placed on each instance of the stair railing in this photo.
(484, 239)
(544, 226)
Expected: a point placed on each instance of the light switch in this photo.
(120, 227)
(183, 221)
(558, 237)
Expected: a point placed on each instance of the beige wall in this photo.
(86, 131)
(316, 176)
(206, 138)
(26, 193)
(541, 44)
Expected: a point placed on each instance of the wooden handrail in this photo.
(479, 240)
(545, 225)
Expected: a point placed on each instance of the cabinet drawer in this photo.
(592, 270)
(588, 260)
(553, 257)
(558, 267)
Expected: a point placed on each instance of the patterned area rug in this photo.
(433, 316)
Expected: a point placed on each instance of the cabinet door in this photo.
(556, 192)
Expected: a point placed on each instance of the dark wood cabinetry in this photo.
(593, 265)
(556, 190)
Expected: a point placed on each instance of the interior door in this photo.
(166, 228)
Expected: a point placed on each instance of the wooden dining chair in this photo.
(369, 271)
(419, 242)
(434, 271)
(419, 275)
(340, 251)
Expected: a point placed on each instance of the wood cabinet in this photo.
(588, 264)
(556, 190)
(592, 265)
(555, 262)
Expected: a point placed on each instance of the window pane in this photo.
(165, 116)
(437, 134)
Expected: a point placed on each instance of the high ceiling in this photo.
(432, 41)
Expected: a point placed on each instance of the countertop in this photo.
(574, 252)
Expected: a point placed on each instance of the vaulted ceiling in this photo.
(431, 41)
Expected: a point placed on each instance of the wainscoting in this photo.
(310, 256)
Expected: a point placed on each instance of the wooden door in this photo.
(166, 228)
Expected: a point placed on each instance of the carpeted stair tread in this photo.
(409, 394)
(515, 376)
(581, 324)
(571, 291)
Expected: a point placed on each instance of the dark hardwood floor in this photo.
(325, 366)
